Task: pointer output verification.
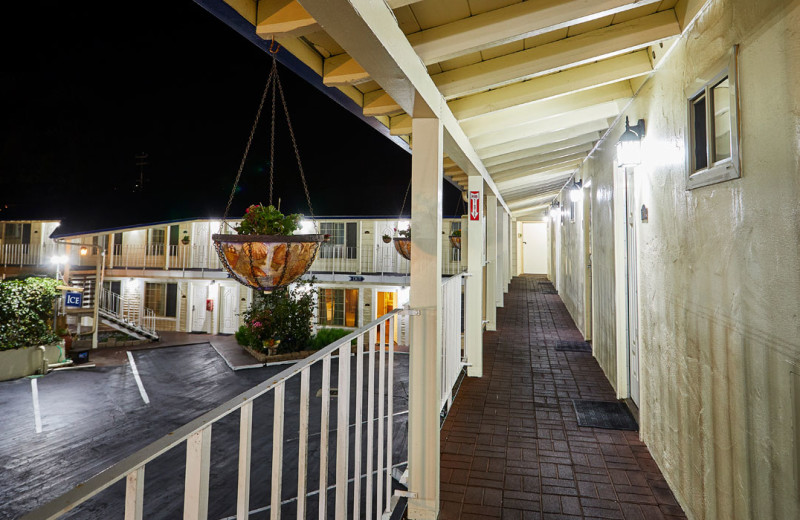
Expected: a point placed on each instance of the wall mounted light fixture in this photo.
(576, 191)
(554, 210)
(629, 146)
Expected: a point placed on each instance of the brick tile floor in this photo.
(511, 446)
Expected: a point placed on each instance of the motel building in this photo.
(649, 148)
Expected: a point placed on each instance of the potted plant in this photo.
(185, 239)
(386, 238)
(455, 239)
(265, 254)
(402, 242)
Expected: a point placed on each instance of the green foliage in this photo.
(280, 319)
(456, 233)
(325, 337)
(260, 220)
(406, 233)
(26, 308)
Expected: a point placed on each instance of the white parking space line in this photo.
(37, 416)
(138, 379)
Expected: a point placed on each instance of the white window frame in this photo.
(730, 167)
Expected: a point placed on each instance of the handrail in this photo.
(134, 462)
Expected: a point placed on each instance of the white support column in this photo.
(491, 262)
(474, 302)
(506, 252)
(500, 273)
(426, 329)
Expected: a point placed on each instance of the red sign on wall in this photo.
(474, 205)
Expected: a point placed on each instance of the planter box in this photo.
(261, 357)
(22, 362)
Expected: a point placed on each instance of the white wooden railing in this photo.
(113, 304)
(332, 259)
(374, 459)
(452, 336)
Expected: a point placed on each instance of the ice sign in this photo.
(73, 299)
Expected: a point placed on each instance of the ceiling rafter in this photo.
(508, 24)
(552, 57)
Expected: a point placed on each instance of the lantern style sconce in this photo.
(84, 251)
(576, 191)
(629, 146)
(554, 210)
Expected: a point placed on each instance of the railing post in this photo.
(198, 463)
(245, 448)
(343, 431)
(426, 330)
(134, 494)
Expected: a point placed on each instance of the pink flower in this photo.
(256, 324)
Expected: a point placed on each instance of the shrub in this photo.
(281, 318)
(26, 312)
(325, 337)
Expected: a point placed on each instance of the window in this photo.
(713, 137)
(455, 254)
(338, 307)
(162, 298)
(343, 240)
(174, 232)
(155, 241)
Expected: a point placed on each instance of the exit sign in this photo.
(73, 299)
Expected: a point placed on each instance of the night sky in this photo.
(84, 92)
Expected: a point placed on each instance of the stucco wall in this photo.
(719, 273)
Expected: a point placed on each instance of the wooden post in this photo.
(474, 308)
(426, 328)
(492, 262)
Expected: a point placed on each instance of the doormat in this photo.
(573, 346)
(611, 415)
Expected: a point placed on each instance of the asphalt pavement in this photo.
(83, 421)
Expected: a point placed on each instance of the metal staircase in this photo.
(113, 312)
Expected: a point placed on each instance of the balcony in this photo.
(333, 261)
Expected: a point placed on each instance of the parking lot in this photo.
(61, 429)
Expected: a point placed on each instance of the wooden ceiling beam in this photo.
(281, 17)
(341, 69)
(563, 121)
(605, 72)
(544, 166)
(400, 125)
(509, 24)
(524, 143)
(379, 103)
(562, 54)
(587, 139)
(532, 161)
(540, 110)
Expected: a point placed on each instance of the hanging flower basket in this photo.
(265, 262)
(403, 246)
(455, 241)
(386, 239)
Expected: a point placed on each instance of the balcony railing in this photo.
(362, 468)
(357, 403)
(380, 259)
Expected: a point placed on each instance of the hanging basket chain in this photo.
(296, 151)
(403, 207)
(246, 150)
(273, 76)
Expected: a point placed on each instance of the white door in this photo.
(534, 248)
(633, 293)
(201, 247)
(228, 322)
(199, 312)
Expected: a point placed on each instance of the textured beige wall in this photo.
(719, 273)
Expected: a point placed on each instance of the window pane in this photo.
(699, 133)
(351, 239)
(154, 298)
(172, 300)
(351, 307)
(722, 120)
